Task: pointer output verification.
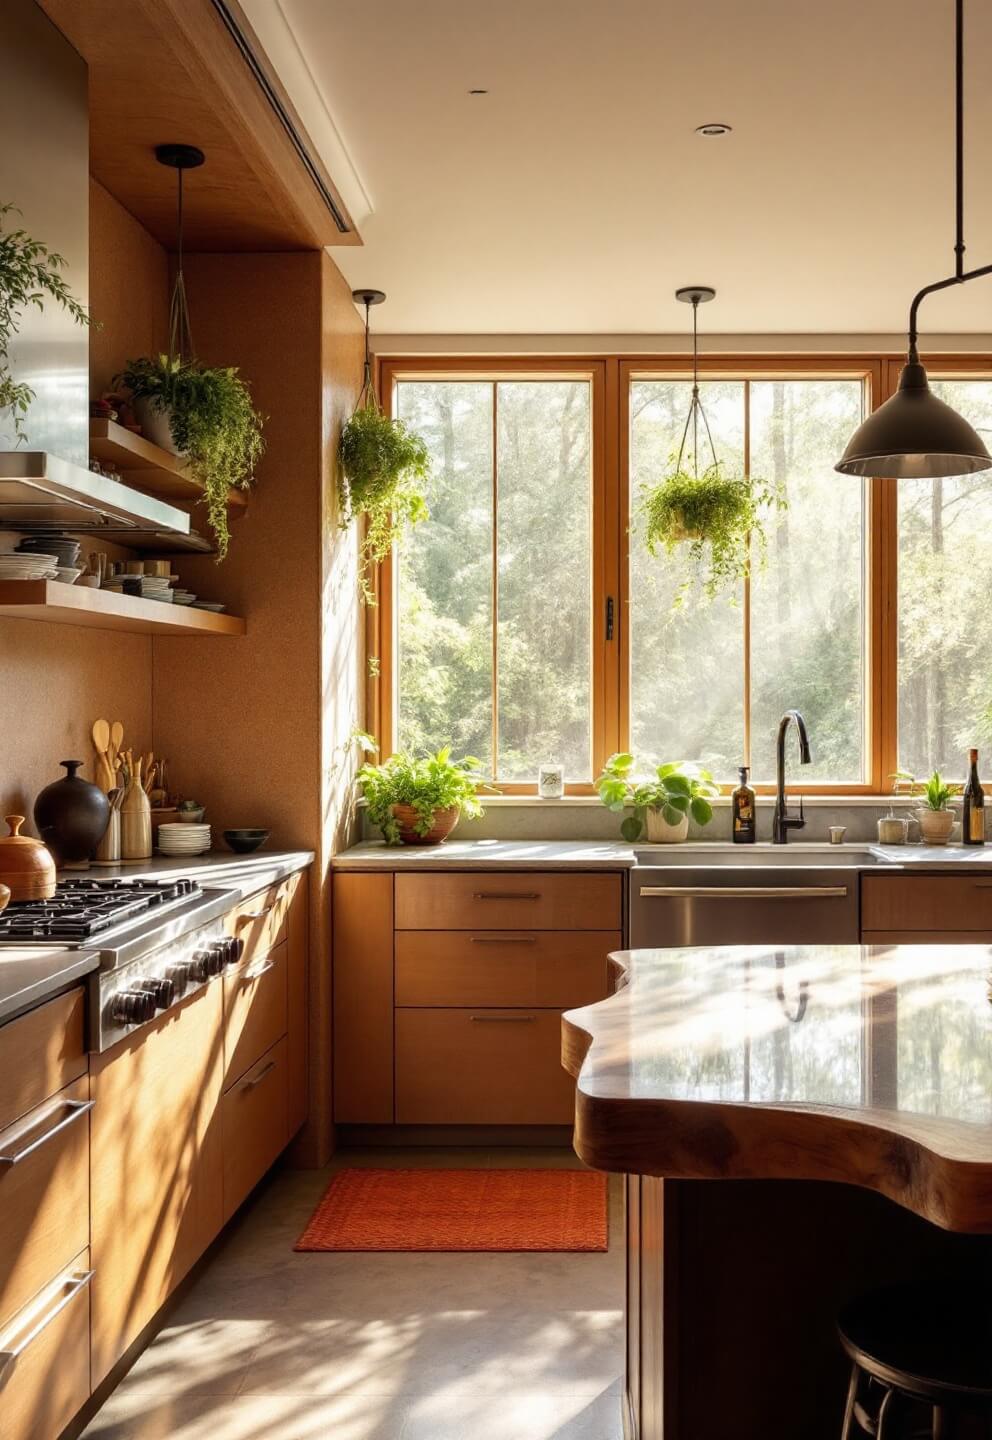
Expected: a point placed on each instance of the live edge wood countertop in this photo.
(866, 1065)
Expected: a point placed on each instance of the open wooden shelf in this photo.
(149, 467)
(105, 610)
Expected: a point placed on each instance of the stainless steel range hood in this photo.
(38, 489)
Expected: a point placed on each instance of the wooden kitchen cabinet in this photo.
(449, 987)
(298, 1006)
(927, 906)
(156, 1166)
(41, 1053)
(48, 1381)
(255, 1001)
(255, 1125)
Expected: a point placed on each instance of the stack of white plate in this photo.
(156, 587)
(183, 839)
(14, 566)
(215, 605)
(183, 597)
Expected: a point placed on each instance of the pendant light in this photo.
(180, 158)
(695, 295)
(914, 435)
(368, 298)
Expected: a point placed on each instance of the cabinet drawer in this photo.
(48, 1379)
(44, 1194)
(255, 1127)
(491, 900)
(262, 922)
(926, 902)
(481, 1067)
(40, 1054)
(255, 998)
(501, 967)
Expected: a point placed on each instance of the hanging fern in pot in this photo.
(716, 519)
(385, 468)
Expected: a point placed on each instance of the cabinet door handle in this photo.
(255, 914)
(745, 892)
(251, 1081)
(503, 939)
(74, 1109)
(257, 971)
(69, 1290)
(507, 895)
(501, 1019)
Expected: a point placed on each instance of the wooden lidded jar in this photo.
(26, 865)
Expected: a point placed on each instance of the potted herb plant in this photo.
(718, 517)
(385, 467)
(29, 275)
(205, 414)
(662, 802)
(935, 816)
(419, 802)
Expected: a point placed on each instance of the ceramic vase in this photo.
(71, 816)
(136, 822)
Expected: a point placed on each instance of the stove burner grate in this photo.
(81, 908)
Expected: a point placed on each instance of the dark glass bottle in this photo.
(743, 827)
(973, 819)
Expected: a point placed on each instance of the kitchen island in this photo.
(843, 1095)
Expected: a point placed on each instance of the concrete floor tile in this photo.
(342, 1417)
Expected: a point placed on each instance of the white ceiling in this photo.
(575, 197)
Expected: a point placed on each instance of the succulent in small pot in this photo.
(935, 816)
(419, 802)
(662, 802)
(720, 518)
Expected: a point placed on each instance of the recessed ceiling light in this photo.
(714, 127)
(478, 92)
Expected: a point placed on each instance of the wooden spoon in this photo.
(101, 736)
(116, 739)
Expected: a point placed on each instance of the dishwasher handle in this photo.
(744, 892)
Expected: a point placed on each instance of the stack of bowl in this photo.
(182, 839)
(42, 543)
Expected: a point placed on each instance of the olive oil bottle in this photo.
(973, 819)
(744, 828)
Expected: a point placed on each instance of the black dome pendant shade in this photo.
(914, 435)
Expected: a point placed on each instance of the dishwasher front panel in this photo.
(673, 906)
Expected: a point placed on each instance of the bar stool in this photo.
(921, 1362)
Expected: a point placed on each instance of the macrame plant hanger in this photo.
(695, 295)
(180, 158)
(368, 399)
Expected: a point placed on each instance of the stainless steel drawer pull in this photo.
(67, 1293)
(746, 892)
(255, 914)
(74, 1109)
(502, 1019)
(503, 939)
(257, 971)
(252, 1080)
(507, 895)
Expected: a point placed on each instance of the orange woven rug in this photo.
(460, 1210)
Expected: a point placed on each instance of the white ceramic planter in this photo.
(659, 830)
(935, 825)
(155, 424)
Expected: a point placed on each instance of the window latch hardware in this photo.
(609, 617)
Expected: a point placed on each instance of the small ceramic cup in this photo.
(837, 833)
(551, 782)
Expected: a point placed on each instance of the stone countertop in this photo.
(861, 1064)
(617, 855)
(246, 874)
(30, 974)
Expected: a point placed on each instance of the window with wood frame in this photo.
(525, 622)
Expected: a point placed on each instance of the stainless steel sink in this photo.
(772, 857)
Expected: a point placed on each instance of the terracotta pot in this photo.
(659, 829)
(444, 821)
(71, 816)
(26, 865)
(935, 825)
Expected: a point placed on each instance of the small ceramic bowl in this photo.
(191, 814)
(243, 842)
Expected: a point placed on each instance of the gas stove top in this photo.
(82, 909)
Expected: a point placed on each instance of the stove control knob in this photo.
(180, 977)
(163, 992)
(199, 966)
(216, 950)
(133, 1006)
(235, 950)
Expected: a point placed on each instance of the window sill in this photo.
(569, 802)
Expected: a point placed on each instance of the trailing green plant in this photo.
(385, 467)
(936, 794)
(720, 518)
(213, 423)
(675, 789)
(29, 275)
(435, 782)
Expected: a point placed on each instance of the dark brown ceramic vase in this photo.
(71, 816)
(443, 822)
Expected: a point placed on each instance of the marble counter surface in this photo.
(617, 855)
(870, 1065)
(32, 973)
(246, 874)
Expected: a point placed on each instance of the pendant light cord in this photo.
(960, 275)
(180, 333)
(368, 387)
(695, 404)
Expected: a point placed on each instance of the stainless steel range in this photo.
(158, 941)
